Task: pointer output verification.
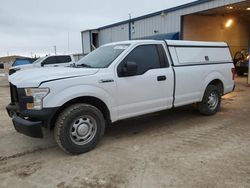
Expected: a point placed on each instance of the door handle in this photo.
(161, 78)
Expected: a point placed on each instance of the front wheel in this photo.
(79, 128)
(211, 101)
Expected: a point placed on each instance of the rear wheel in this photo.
(211, 101)
(79, 128)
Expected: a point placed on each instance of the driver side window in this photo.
(50, 60)
(146, 57)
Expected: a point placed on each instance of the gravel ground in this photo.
(175, 148)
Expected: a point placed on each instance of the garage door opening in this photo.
(94, 40)
(230, 24)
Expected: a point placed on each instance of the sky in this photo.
(34, 27)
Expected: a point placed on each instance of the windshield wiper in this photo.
(84, 65)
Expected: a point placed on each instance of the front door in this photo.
(151, 88)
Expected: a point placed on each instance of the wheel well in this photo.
(87, 100)
(218, 83)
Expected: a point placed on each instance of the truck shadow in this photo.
(180, 117)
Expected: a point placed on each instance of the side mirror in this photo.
(129, 69)
(42, 64)
(1, 66)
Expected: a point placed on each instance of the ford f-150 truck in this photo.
(118, 81)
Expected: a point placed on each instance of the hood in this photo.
(35, 76)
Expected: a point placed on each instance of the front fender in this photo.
(59, 98)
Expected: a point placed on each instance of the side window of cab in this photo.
(141, 59)
(49, 61)
(63, 59)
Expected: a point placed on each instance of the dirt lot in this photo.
(176, 148)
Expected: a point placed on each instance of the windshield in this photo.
(102, 57)
(39, 60)
(19, 62)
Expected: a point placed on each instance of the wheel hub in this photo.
(213, 101)
(82, 129)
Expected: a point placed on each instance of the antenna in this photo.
(68, 42)
(55, 49)
(130, 16)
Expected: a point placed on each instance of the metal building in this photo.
(200, 20)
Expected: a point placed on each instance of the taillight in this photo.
(233, 73)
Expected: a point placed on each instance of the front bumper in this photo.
(30, 122)
(29, 128)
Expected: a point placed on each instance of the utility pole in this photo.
(55, 49)
(68, 42)
(129, 25)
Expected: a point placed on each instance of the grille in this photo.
(13, 93)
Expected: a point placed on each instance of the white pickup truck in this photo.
(118, 81)
(46, 61)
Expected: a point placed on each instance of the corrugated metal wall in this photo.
(114, 34)
(171, 22)
(155, 25)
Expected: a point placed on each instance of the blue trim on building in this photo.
(156, 13)
(167, 36)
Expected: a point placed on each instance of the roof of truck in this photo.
(177, 43)
(194, 43)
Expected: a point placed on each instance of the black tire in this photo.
(205, 107)
(92, 122)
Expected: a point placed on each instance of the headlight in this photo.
(38, 95)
